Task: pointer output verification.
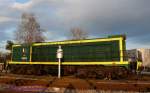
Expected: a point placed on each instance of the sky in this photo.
(99, 18)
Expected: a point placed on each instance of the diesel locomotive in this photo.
(89, 58)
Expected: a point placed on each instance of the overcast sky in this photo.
(99, 18)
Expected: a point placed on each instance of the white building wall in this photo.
(145, 56)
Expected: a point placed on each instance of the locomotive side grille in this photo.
(96, 51)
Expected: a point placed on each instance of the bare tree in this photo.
(78, 33)
(29, 30)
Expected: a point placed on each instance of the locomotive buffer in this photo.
(59, 56)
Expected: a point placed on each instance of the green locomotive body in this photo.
(76, 53)
(80, 52)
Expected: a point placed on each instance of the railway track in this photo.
(48, 84)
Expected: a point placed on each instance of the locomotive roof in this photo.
(109, 38)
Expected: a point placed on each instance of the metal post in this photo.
(59, 68)
(59, 56)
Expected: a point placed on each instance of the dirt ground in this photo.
(48, 84)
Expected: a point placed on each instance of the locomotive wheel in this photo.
(119, 73)
(100, 74)
(91, 74)
(81, 73)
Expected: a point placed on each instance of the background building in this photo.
(141, 54)
(145, 56)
